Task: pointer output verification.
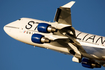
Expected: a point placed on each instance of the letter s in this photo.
(29, 26)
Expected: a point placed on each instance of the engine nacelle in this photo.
(38, 38)
(46, 28)
(90, 63)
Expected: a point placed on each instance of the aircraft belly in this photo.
(94, 51)
(56, 48)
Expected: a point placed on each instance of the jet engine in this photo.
(89, 63)
(38, 38)
(46, 28)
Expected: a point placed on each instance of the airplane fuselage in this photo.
(93, 44)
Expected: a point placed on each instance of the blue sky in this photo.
(87, 16)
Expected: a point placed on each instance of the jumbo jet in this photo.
(60, 36)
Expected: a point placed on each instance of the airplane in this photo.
(60, 36)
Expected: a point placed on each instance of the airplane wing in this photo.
(63, 14)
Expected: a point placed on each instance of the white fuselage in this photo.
(93, 45)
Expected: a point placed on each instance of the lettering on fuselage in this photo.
(91, 38)
(30, 25)
(80, 35)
